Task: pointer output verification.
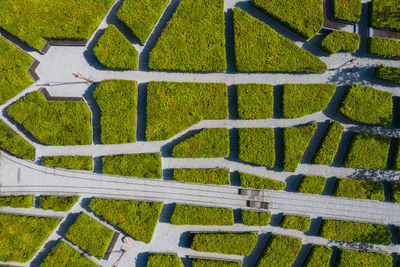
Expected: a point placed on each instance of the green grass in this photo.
(384, 47)
(363, 189)
(340, 41)
(225, 243)
(21, 236)
(90, 235)
(395, 192)
(134, 165)
(280, 251)
(295, 142)
(347, 10)
(305, 17)
(196, 215)
(387, 73)
(114, 51)
(296, 222)
(164, 260)
(197, 262)
(385, 14)
(203, 176)
(367, 105)
(63, 255)
(351, 257)
(355, 232)
(193, 40)
(141, 16)
(209, 143)
(34, 22)
(70, 162)
(13, 143)
(117, 102)
(172, 107)
(258, 48)
(367, 151)
(14, 64)
(319, 256)
(57, 203)
(299, 100)
(329, 144)
(54, 122)
(16, 201)
(257, 145)
(136, 218)
(257, 182)
(254, 218)
(255, 101)
(312, 184)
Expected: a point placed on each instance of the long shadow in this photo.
(313, 44)
(141, 112)
(166, 212)
(332, 261)
(45, 251)
(142, 259)
(251, 260)
(186, 240)
(292, 183)
(70, 220)
(278, 149)
(314, 227)
(16, 41)
(278, 98)
(89, 54)
(168, 174)
(394, 236)
(187, 262)
(98, 165)
(235, 178)
(342, 150)
(233, 102)
(229, 42)
(234, 144)
(313, 145)
(237, 215)
(96, 113)
(302, 255)
(329, 186)
(276, 219)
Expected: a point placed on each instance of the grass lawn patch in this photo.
(384, 47)
(164, 260)
(347, 10)
(363, 189)
(385, 14)
(258, 48)
(17, 201)
(395, 192)
(351, 257)
(312, 184)
(367, 105)
(22, 236)
(197, 262)
(387, 73)
(319, 256)
(134, 165)
(257, 145)
(299, 100)
(57, 203)
(367, 151)
(63, 255)
(329, 144)
(209, 143)
(203, 176)
(193, 40)
(295, 142)
(304, 17)
(355, 232)
(11, 142)
(117, 102)
(172, 107)
(280, 251)
(254, 218)
(296, 222)
(56, 123)
(225, 243)
(196, 215)
(257, 182)
(340, 41)
(70, 162)
(255, 101)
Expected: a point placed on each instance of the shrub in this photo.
(347, 10)
(15, 144)
(117, 102)
(134, 165)
(363, 189)
(90, 235)
(280, 251)
(340, 41)
(319, 256)
(385, 14)
(203, 176)
(295, 142)
(164, 260)
(299, 100)
(387, 73)
(254, 218)
(398, 232)
(193, 40)
(395, 192)
(257, 145)
(22, 236)
(54, 122)
(384, 47)
(367, 151)
(257, 182)
(17, 201)
(329, 144)
(296, 222)
(195, 215)
(172, 107)
(197, 262)
(209, 143)
(258, 48)
(305, 17)
(57, 203)
(355, 232)
(70, 162)
(255, 101)
(225, 243)
(351, 257)
(312, 184)
(63, 255)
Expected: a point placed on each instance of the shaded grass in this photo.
(57, 203)
(387, 73)
(257, 145)
(198, 262)
(296, 222)
(197, 215)
(203, 176)
(15, 144)
(347, 10)
(63, 255)
(319, 256)
(70, 162)
(384, 47)
(385, 14)
(257, 182)
(17, 201)
(363, 189)
(255, 101)
(312, 184)
(340, 41)
(164, 260)
(329, 144)
(254, 218)
(351, 257)
(395, 192)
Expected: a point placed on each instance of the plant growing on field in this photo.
(70, 162)
(296, 222)
(257, 145)
(351, 257)
(203, 176)
(57, 203)
(63, 255)
(318, 256)
(164, 260)
(280, 251)
(255, 101)
(329, 144)
(384, 47)
(387, 73)
(254, 218)
(340, 41)
(15, 144)
(198, 262)
(196, 215)
(312, 184)
(347, 10)
(363, 189)
(384, 14)
(257, 182)
(17, 201)
(395, 191)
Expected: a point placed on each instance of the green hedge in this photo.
(54, 122)
(257, 182)
(196, 215)
(197, 262)
(255, 101)
(351, 257)
(22, 236)
(305, 17)
(319, 256)
(70, 162)
(254, 218)
(172, 107)
(367, 151)
(257, 145)
(280, 251)
(329, 144)
(296, 222)
(340, 41)
(134, 165)
(355, 232)
(312, 184)
(225, 243)
(258, 48)
(295, 142)
(384, 47)
(299, 100)
(57, 203)
(384, 14)
(347, 10)
(63, 255)
(193, 40)
(363, 189)
(17, 201)
(387, 73)
(203, 176)
(396, 155)
(164, 260)
(395, 191)
(398, 232)
(209, 143)
(15, 144)
(117, 102)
